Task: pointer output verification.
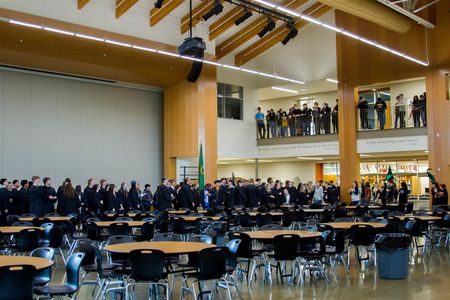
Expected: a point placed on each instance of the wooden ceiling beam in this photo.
(197, 14)
(157, 14)
(250, 31)
(82, 3)
(225, 22)
(122, 6)
(277, 35)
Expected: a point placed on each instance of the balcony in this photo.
(405, 116)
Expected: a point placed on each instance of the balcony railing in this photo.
(296, 126)
(392, 117)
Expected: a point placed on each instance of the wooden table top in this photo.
(193, 218)
(53, 219)
(270, 234)
(313, 210)
(423, 218)
(38, 262)
(15, 229)
(347, 225)
(122, 215)
(274, 214)
(130, 223)
(287, 205)
(370, 207)
(170, 248)
(182, 212)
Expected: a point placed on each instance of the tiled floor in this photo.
(429, 279)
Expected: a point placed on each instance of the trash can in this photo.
(392, 255)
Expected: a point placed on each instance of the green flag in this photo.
(201, 169)
(431, 176)
(389, 175)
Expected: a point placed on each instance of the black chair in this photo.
(142, 274)
(38, 221)
(55, 241)
(288, 218)
(179, 227)
(147, 231)
(51, 215)
(119, 258)
(119, 228)
(361, 235)
(300, 215)
(271, 227)
(43, 276)
(245, 253)
(11, 219)
(201, 224)
(123, 218)
(93, 232)
(72, 284)
(285, 249)
(243, 220)
(327, 216)
(335, 249)
(23, 224)
(324, 227)
(312, 252)
(46, 232)
(167, 236)
(343, 220)
(28, 239)
(263, 219)
(28, 215)
(191, 261)
(16, 282)
(413, 227)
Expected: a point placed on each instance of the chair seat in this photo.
(55, 290)
(105, 267)
(115, 273)
(40, 281)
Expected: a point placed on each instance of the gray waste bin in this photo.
(392, 255)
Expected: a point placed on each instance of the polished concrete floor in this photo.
(429, 278)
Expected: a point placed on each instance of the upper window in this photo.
(230, 101)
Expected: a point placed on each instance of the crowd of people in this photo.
(416, 110)
(297, 121)
(38, 196)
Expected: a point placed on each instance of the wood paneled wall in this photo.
(190, 117)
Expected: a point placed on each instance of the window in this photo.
(230, 101)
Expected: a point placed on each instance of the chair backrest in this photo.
(343, 220)
(135, 211)
(212, 263)
(362, 234)
(147, 231)
(16, 282)
(395, 213)
(123, 218)
(286, 246)
(263, 219)
(51, 215)
(245, 247)
(55, 237)
(272, 227)
(339, 241)
(324, 227)
(86, 246)
(312, 245)
(167, 236)
(23, 224)
(28, 215)
(119, 239)
(327, 216)
(201, 238)
(412, 226)
(92, 230)
(288, 218)
(43, 252)
(73, 269)
(11, 219)
(178, 225)
(233, 247)
(244, 219)
(141, 259)
(38, 221)
(300, 215)
(28, 239)
(120, 228)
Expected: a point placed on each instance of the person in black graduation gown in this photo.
(89, 195)
(231, 196)
(196, 195)
(222, 193)
(48, 196)
(133, 196)
(251, 193)
(212, 194)
(23, 205)
(98, 200)
(122, 196)
(14, 207)
(104, 191)
(163, 195)
(69, 202)
(185, 195)
(60, 190)
(259, 191)
(241, 194)
(293, 192)
(83, 202)
(277, 192)
(36, 207)
(113, 200)
(5, 196)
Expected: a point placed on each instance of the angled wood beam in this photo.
(157, 14)
(277, 35)
(250, 31)
(197, 14)
(225, 22)
(82, 3)
(122, 6)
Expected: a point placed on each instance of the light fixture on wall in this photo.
(268, 28)
(291, 34)
(332, 80)
(284, 90)
(217, 9)
(244, 17)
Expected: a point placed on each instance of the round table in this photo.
(274, 214)
(348, 225)
(182, 212)
(15, 229)
(270, 234)
(52, 219)
(369, 207)
(169, 248)
(37, 262)
(193, 218)
(122, 215)
(313, 210)
(130, 223)
(423, 218)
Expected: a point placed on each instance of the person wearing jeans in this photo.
(273, 123)
(260, 123)
(399, 112)
(380, 107)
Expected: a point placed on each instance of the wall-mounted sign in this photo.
(304, 149)
(393, 144)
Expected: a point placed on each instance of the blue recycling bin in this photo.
(393, 255)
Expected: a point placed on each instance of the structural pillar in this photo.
(190, 118)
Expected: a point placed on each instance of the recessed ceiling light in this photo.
(284, 90)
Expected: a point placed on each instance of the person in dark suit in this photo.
(113, 200)
(241, 194)
(212, 194)
(185, 195)
(133, 196)
(277, 192)
(122, 196)
(163, 195)
(14, 194)
(89, 195)
(36, 197)
(60, 190)
(98, 205)
(363, 107)
(251, 194)
(69, 202)
(231, 197)
(23, 205)
(48, 196)
(293, 192)
(104, 191)
(5, 197)
(222, 192)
